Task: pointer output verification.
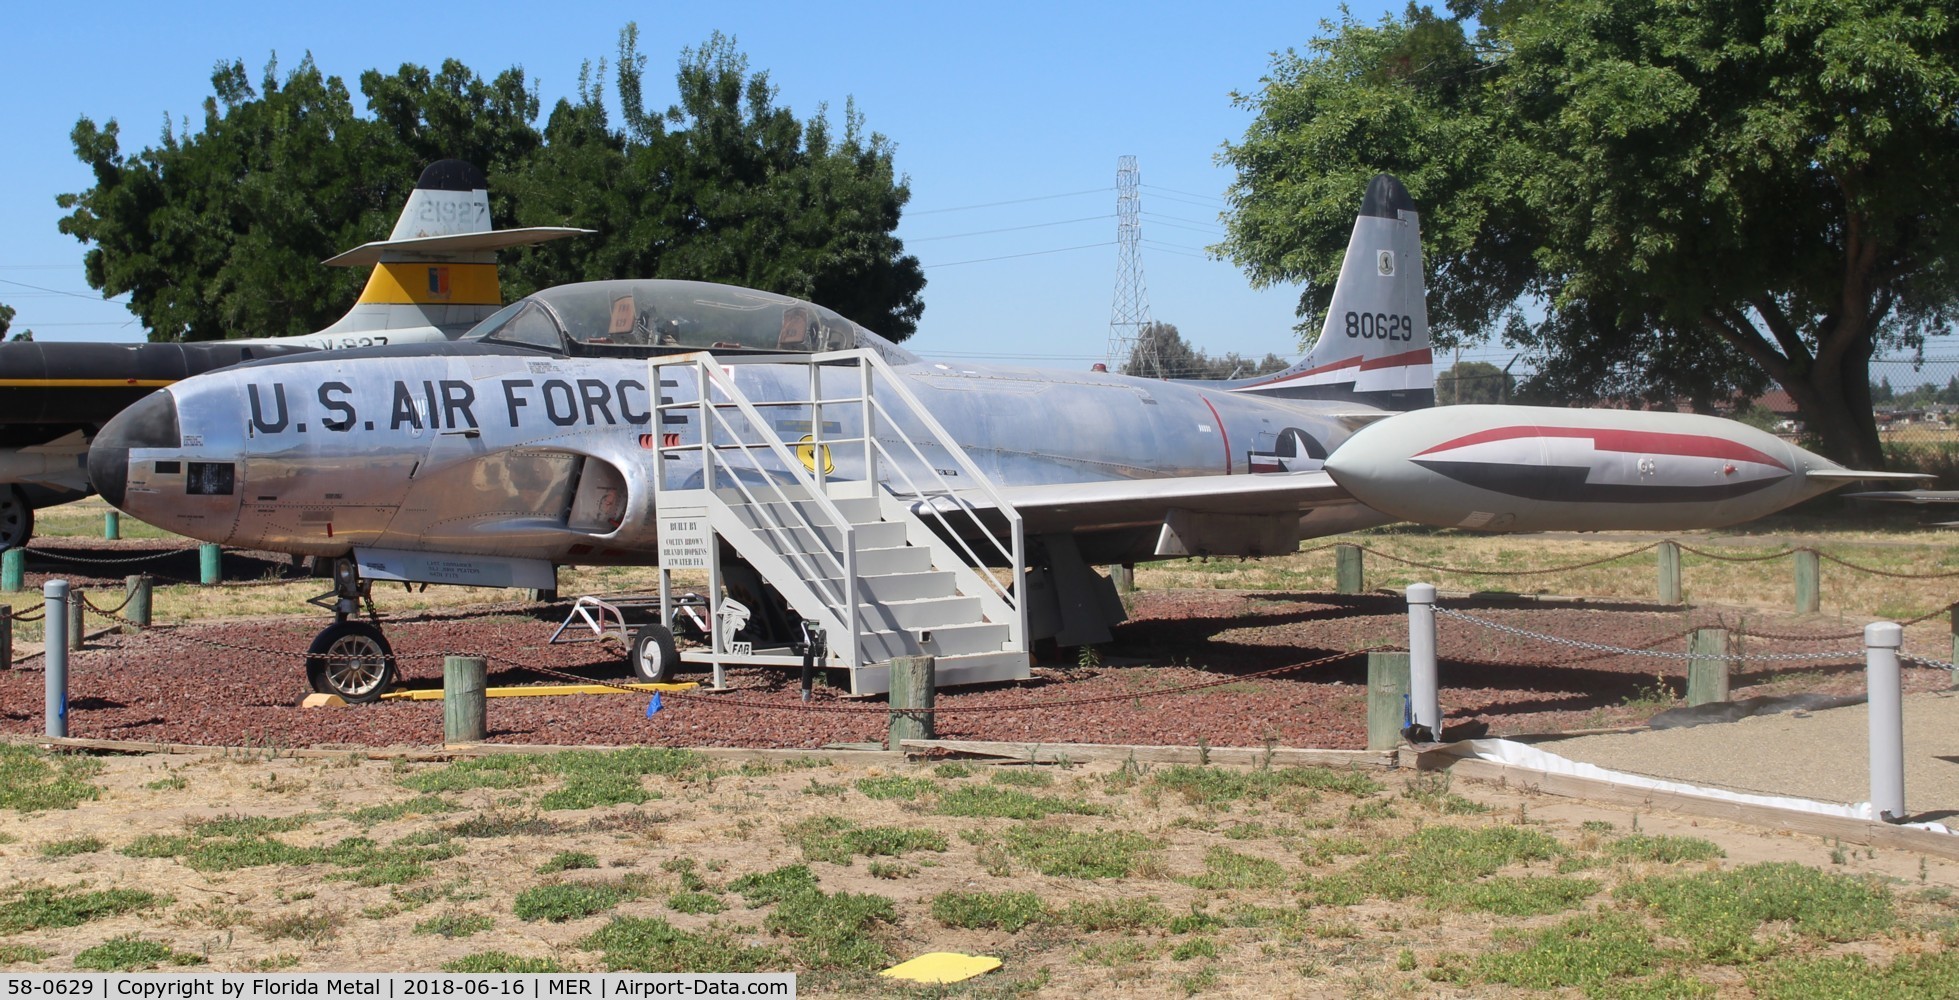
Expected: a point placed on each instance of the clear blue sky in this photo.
(1004, 102)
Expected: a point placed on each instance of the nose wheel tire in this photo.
(16, 518)
(351, 659)
(654, 657)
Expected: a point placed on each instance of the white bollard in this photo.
(1424, 696)
(1885, 685)
(54, 635)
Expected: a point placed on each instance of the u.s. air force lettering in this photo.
(452, 404)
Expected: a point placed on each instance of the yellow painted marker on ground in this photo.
(942, 967)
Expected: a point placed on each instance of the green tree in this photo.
(1161, 352)
(1698, 198)
(219, 232)
(1474, 382)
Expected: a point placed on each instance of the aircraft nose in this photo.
(151, 423)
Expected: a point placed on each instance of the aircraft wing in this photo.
(1139, 502)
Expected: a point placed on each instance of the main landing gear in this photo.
(349, 658)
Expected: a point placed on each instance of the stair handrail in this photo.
(709, 374)
(1016, 551)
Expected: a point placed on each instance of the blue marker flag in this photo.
(654, 705)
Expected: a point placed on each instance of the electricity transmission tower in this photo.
(1129, 318)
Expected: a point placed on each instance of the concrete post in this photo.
(1349, 575)
(13, 570)
(77, 622)
(111, 525)
(914, 690)
(1707, 671)
(1885, 684)
(1669, 572)
(1387, 699)
(1424, 693)
(1809, 582)
(210, 564)
(464, 714)
(55, 641)
(137, 610)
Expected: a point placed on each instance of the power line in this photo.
(57, 291)
(1012, 201)
(1187, 194)
(1178, 218)
(1185, 201)
(1031, 253)
(1192, 229)
(1011, 229)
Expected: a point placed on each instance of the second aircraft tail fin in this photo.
(437, 270)
(1374, 346)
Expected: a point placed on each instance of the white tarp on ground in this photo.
(1524, 755)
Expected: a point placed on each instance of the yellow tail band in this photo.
(396, 283)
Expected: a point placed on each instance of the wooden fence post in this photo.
(13, 569)
(1387, 699)
(6, 636)
(1124, 577)
(1669, 572)
(111, 525)
(914, 691)
(464, 719)
(137, 609)
(1348, 575)
(1707, 672)
(210, 565)
(1809, 582)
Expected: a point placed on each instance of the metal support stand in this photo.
(55, 642)
(1424, 694)
(1885, 684)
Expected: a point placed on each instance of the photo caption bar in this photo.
(393, 986)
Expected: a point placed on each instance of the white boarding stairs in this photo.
(850, 555)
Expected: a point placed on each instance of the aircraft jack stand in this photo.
(349, 658)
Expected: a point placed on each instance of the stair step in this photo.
(889, 587)
(978, 668)
(933, 612)
(944, 640)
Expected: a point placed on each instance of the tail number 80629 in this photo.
(1380, 326)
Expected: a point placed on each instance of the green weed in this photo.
(835, 931)
(1227, 869)
(1586, 951)
(71, 847)
(1219, 787)
(1668, 850)
(313, 925)
(41, 908)
(420, 805)
(565, 861)
(455, 924)
(1010, 803)
(11, 954)
(763, 888)
(130, 953)
(32, 779)
(650, 944)
(1023, 777)
(1717, 913)
(695, 902)
(1523, 896)
(1007, 911)
(896, 786)
(501, 961)
(1126, 914)
(953, 769)
(1853, 977)
(837, 840)
(1071, 854)
(562, 901)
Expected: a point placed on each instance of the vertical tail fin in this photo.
(1374, 346)
(436, 273)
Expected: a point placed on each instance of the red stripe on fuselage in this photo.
(1606, 439)
(1226, 435)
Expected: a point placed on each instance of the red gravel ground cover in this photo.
(239, 683)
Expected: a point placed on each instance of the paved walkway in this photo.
(1816, 755)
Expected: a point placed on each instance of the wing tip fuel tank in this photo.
(1522, 468)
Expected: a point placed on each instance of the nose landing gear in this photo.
(349, 658)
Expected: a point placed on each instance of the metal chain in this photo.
(28, 615)
(165, 554)
(106, 612)
(1874, 571)
(1928, 661)
(1859, 634)
(1475, 571)
(1653, 653)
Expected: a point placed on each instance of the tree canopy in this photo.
(218, 232)
(1474, 382)
(1657, 201)
(1161, 352)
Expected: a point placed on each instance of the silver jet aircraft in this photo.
(832, 482)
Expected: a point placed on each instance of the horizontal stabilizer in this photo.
(442, 248)
(1909, 496)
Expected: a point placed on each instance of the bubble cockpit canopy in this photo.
(641, 317)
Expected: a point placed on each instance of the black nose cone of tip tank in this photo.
(151, 423)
